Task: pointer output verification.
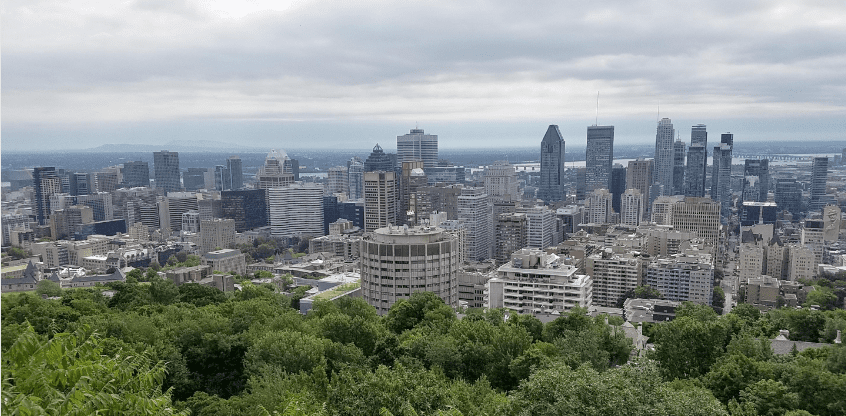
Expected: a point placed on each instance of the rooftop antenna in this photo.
(596, 122)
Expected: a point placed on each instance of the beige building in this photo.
(600, 210)
(751, 261)
(613, 275)
(762, 292)
(802, 262)
(381, 202)
(699, 215)
(217, 234)
(631, 207)
(225, 261)
(511, 235)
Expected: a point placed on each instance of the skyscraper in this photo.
(248, 207)
(355, 168)
(194, 179)
(296, 210)
(47, 183)
(166, 166)
(552, 166)
(819, 177)
(697, 161)
(277, 170)
(599, 157)
(379, 160)
(678, 167)
(136, 174)
(761, 169)
(337, 180)
(418, 146)
(475, 211)
(788, 196)
(618, 186)
(664, 155)
(236, 173)
(639, 176)
(501, 182)
(632, 207)
(721, 173)
(600, 211)
(380, 199)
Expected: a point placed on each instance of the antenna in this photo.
(596, 123)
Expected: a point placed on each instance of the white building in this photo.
(217, 234)
(191, 222)
(613, 275)
(226, 261)
(474, 209)
(337, 181)
(631, 207)
(541, 227)
(535, 282)
(296, 210)
(417, 145)
(683, 277)
(501, 181)
(600, 210)
(381, 200)
(751, 261)
(802, 262)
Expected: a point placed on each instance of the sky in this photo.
(295, 74)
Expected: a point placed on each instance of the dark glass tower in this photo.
(599, 157)
(721, 173)
(697, 162)
(236, 173)
(166, 166)
(618, 186)
(379, 160)
(46, 182)
(136, 174)
(678, 167)
(819, 177)
(248, 207)
(552, 166)
(761, 169)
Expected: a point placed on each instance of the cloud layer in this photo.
(78, 66)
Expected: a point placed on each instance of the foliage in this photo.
(17, 253)
(48, 287)
(640, 292)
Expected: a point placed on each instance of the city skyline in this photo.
(476, 76)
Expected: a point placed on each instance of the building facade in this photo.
(166, 167)
(552, 166)
(599, 157)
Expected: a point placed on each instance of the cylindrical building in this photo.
(398, 261)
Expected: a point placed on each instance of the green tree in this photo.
(200, 295)
(420, 308)
(68, 374)
(17, 253)
(291, 352)
(718, 300)
(163, 291)
(767, 398)
(686, 347)
(823, 297)
(48, 287)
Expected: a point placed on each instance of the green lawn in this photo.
(337, 291)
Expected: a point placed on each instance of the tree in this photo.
(200, 295)
(718, 300)
(17, 253)
(41, 377)
(163, 291)
(421, 307)
(640, 292)
(48, 287)
(823, 297)
(767, 398)
(288, 351)
(687, 347)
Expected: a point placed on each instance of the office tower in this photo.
(247, 207)
(276, 172)
(47, 183)
(678, 167)
(757, 168)
(570, 217)
(81, 183)
(501, 182)
(444, 173)
(176, 204)
(474, 210)
(511, 235)
(65, 222)
(380, 199)
(613, 275)
(236, 172)
(355, 169)
(632, 207)
(618, 185)
(442, 198)
(330, 212)
(581, 184)
(382, 284)
(352, 211)
(108, 180)
(457, 229)
(753, 212)
(417, 146)
(600, 210)
(100, 203)
(721, 173)
(166, 167)
(210, 208)
(664, 155)
(13, 222)
(194, 179)
(379, 161)
(296, 210)
(136, 174)
(599, 157)
(697, 158)
(535, 282)
(542, 228)
(412, 178)
(552, 166)
(216, 234)
(819, 177)
(191, 223)
(639, 176)
(788, 195)
(683, 278)
(222, 179)
(337, 181)
(699, 215)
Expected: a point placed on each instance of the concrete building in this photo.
(762, 292)
(813, 237)
(599, 157)
(341, 245)
(417, 145)
(788, 195)
(664, 155)
(411, 179)
(632, 208)
(236, 172)
(396, 262)
(662, 209)
(381, 202)
(639, 176)
(802, 262)
(176, 204)
(542, 228)
(831, 223)
(697, 162)
(501, 181)
(443, 198)
(552, 166)
(699, 215)
(13, 222)
(296, 210)
(819, 178)
(166, 167)
(535, 282)
(194, 179)
(511, 235)
(751, 261)
(278, 171)
(191, 222)
(226, 261)
(475, 211)
(47, 183)
(457, 229)
(683, 277)
(600, 209)
(337, 181)
(613, 275)
(217, 234)
(100, 203)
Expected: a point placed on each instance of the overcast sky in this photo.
(348, 74)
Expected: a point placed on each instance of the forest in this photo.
(155, 348)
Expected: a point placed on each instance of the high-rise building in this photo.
(599, 157)
(697, 157)
(618, 186)
(108, 179)
(222, 179)
(721, 173)
(166, 167)
(439, 199)
(819, 178)
(136, 174)
(511, 235)
(379, 161)
(664, 155)
(337, 180)
(277, 171)
(246, 207)
(760, 169)
(788, 195)
(380, 199)
(216, 234)
(700, 215)
(296, 210)
(632, 207)
(194, 179)
(552, 166)
(613, 275)
(501, 182)
(678, 167)
(600, 210)
(13, 222)
(236, 172)
(639, 176)
(541, 227)
(412, 179)
(355, 169)
(391, 271)
(474, 210)
(191, 222)
(100, 203)
(417, 146)
(82, 183)
(47, 183)
(178, 203)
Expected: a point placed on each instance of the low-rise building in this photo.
(226, 260)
